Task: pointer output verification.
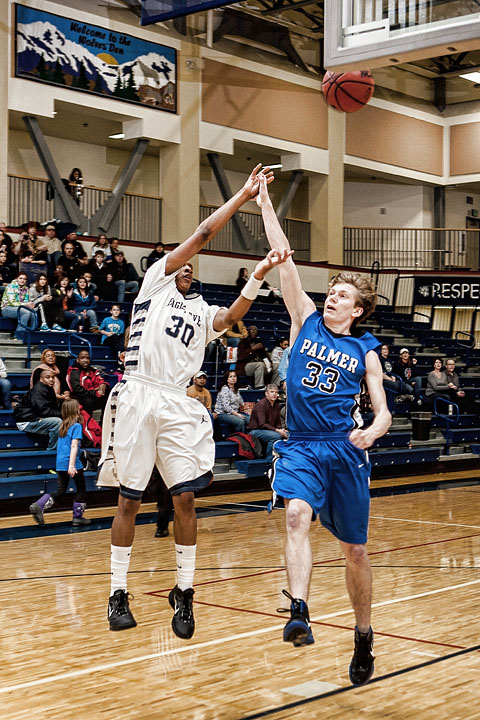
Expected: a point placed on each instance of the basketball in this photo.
(348, 91)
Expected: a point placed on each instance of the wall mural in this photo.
(55, 49)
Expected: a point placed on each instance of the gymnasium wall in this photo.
(465, 148)
(406, 206)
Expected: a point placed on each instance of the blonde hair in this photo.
(367, 297)
(70, 416)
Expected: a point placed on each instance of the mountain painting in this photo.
(54, 49)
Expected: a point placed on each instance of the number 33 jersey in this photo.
(168, 332)
(323, 378)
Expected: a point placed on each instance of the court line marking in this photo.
(211, 643)
(349, 688)
(423, 522)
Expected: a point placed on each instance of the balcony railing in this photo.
(412, 248)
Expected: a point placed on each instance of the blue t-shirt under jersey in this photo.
(64, 445)
(323, 379)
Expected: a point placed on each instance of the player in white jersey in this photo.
(151, 420)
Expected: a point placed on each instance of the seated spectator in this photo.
(42, 297)
(241, 280)
(405, 369)
(71, 238)
(37, 411)
(216, 349)
(114, 247)
(98, 269)
(86, 384)
(84, 303)
(277, 353)
(103, 245)
(64, 299)
(6, 247)
(198, 390)
(3, 230)
(7, 272)
(112, 330)
(437, 383)
(52, 246)
(48, 361)
(157, 253)
(29, 264)
(390, 382)
(457, 395)
(265, 421)
(236, 333)
(15, 298)
(5, 387)
(69, 262)
(229, 403)
(24, 244)
(250, 360)
(124, 276)
(90, 285)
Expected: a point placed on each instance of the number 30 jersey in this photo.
(323, 378)
(168, 332)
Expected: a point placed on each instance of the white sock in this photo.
(119, 562)
(185, 555)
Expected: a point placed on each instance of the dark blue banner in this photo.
(157, 10)
(447, 290)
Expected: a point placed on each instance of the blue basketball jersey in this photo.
(323, 379)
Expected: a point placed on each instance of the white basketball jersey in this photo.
(168, 332)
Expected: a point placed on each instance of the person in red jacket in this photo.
(265, 420)
(86, 384)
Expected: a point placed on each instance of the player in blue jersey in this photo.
(324, 466)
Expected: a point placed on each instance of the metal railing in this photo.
(139, 215)
(405, 13)
(412, 248)
(297, 231)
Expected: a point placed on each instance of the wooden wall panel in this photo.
(465, 149)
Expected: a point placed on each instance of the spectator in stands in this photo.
(437, 383)
(3, 230)
(157, 253)
(103, 245)
(68, 466)
(48, 361)
(390, 382)
(251, 359)
(15, 298)
(236, 333)
(78, 250)
(52, 245)
(90, 285)
(265, 421)
(114, 247)
(242, 279)
(42, 297)
(37, 411)
(6, 246)
(30, 264)
(277, 353)
(5, 387)
(99, 269)
(124, 276)
(24, 244)
(405, 369)
(457, 395)
(214, 348)
(86, 384)
(69, 262)
(64, 299)
(75, 184)
(198, 391)
(84, 303)
(112, 330)
(7, 272)
(229, 403)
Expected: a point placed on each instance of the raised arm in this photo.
(299, 305)
(374, 378)
(226, 317)
(209, 227)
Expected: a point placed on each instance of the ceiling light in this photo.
(117, 136)
(472, 76)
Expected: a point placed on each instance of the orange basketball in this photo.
(348, 91)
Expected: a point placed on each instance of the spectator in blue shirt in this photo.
(84, 302)
(112, 330)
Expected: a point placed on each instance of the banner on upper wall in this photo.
(58, 50)
(158, 10)
(446, 290)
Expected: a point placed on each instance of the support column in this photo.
(5, 11)
(180, 164)
(326, 197)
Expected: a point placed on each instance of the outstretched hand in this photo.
(262, 195)
(273, 259)
(253, 182)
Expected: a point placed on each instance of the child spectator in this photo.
(68, 465)
(112, 330)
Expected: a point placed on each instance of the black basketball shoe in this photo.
(183, 622)
(297, 630)
(362, 665)
(119, 613)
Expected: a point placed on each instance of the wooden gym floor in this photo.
(59, 659)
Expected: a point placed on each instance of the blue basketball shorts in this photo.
(332, 476)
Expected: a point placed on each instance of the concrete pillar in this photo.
(326, 197)
(180, 164)
(5, 13)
